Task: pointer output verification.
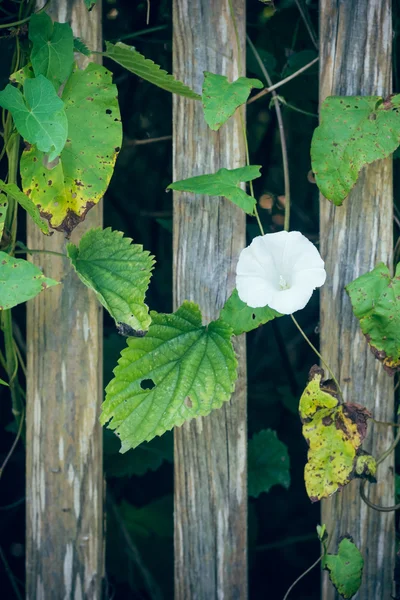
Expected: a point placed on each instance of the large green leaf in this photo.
(225, 182)
(118, 272)
(178, 371)
(38, 115)
(221, 98)
(268, 463)
(354, 132)
(345, 568)
(149, 456)
(375, 298)
(133, 61)
(242, 318)
(20, 280)
(65, 192)
(52, 52)
(15, 193)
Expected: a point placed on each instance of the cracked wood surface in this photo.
(356, 46)
(209, 233)
(64, 479)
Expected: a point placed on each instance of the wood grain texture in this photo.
(210, 453)
(356, 43)
(64, 481)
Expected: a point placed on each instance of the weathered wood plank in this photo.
(356, 45)
(210, 453)
(64, 525)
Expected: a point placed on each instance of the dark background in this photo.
(282, 540)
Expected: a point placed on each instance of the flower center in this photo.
(283, 284)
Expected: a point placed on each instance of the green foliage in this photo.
(178, 371)
(15, 193)
(149, 456)
(375, 298)
(38, 115)
(268, 463)
(52, 52)
(353, 132)
(90, 4)
(241, 317)
(118, 272)
(334, 433)
(221, 98)
(345, 568)
(20, 281)
(25, 73)
(153, 519)
(225, 182)
(3, 212)
(136, 63)
(65, 192)
(80, 46)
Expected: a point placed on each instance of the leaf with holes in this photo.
(353, 132)
(39, 114)
(268, 463)
(221, 98)
(64, 192)
(118, 272)
(178, 371)
(52, 53)
(225, 182)
(345, 568)
(133, 61)
(20, 281)
(375, 298)
(334, 433)
(242, 318)
(17, 195)
(25, 73)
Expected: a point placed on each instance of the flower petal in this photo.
(289, 301)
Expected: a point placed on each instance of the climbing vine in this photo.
(174, 368)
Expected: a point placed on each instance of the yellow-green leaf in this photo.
(334, 433)
(12, 190)
(65, 191)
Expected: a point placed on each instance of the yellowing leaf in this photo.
(66, 191)
(334, 433)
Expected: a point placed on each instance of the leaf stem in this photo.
(31, 251)
(319, 356)
(278, 111)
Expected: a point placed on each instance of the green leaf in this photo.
(52, 52)
(242, 318)
(38, 115)
(268, 463)
(178, 371)
(80, 46)
(133, 61)
(353, 132)
(149, 456)
(3, 212)
(15, 193)
(25, 73)
(375, 298)
(118, 272)
(20, 280)
(221, 98)
(90, 4)
(225, 182)
(2, 382)
(345, 568)
(65, 192)
(155, 518)
(334, 433)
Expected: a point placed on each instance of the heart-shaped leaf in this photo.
(345, 568)
(225, 182)
(221, 98)
(38, 115)
(178, 371)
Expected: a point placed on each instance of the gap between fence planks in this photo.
(64, 479)
(356, 46)
(209, 232)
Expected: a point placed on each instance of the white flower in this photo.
(279, 270)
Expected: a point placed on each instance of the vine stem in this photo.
(22, 21)
(319, 356)
(282, 136)
(14, 445)
(10, 575)
(32, 251)
(303, 575)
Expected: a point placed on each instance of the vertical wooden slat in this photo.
(64, 481)
(210, 453)
(356, 45)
